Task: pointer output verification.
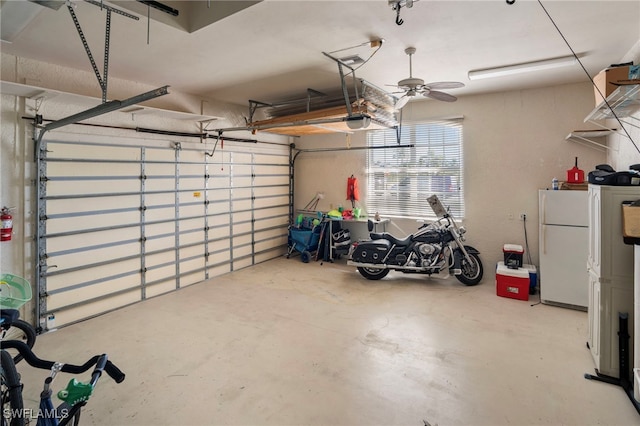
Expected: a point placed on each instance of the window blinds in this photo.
(399, 180)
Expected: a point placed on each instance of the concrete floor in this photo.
(288, 343)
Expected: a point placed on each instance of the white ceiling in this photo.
(272, 50)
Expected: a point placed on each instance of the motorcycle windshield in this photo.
(437, 206)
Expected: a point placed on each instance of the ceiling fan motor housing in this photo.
(411, 82)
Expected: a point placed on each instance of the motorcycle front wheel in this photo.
(373, 273)
(471, 271)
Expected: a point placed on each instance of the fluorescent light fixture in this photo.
(521, 68)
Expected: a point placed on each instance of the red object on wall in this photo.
(7, 225)
(353, 194)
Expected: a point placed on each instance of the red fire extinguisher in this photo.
(7, 225)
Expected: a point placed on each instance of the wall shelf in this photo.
(624, 101)
(582, 136)
(40, 94)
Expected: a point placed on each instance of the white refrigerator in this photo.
(564, 244)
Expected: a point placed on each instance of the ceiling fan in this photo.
(416, 86)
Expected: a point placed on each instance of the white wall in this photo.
(624, 151)
(514, 144)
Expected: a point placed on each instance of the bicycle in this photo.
(13, 328)
(75, 396)
(15, 291)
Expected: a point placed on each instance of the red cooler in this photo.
(512, 283)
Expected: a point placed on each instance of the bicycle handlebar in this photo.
(114, 372)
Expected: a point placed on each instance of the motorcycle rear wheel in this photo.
(471, 271)
(373, 273)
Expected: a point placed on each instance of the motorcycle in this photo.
(436, 247)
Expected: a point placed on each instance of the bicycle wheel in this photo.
(22, 331)
(11, 391)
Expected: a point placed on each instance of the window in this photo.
(399, 180)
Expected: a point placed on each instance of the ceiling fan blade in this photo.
(402, 102)
(440, 96)
(445, 85)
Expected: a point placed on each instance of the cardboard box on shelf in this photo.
(609, 79)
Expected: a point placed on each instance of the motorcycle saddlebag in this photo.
(371, 251)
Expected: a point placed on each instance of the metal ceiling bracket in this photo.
(102, 80)
(253, 107)
(343, 83)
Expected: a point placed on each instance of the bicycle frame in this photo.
(75, 395)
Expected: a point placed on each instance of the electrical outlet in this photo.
(523, 216)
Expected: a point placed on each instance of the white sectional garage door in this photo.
(124, 221)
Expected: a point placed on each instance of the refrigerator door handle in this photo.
(543, 243)
(544, 208)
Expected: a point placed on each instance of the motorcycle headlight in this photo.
(462, 230)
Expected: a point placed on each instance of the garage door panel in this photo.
(242, 181)
(159, 288)
(110, 252)
(87, 291)
(274, 243)
(192, 251)
(196, 211)
(243, 263)
(242, 239)
(81, 151)
(240, 193)
(266, 191)
(64, 257)
(89, 309)
(160, 214)
(94, 221)
(267, 202)
(160, 243)
(269, 233)
(218, 245)
(65, 188)
(269, 222)
(160, 273)
(269, 167)
(192, 271)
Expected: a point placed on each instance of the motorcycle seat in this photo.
(387, 236)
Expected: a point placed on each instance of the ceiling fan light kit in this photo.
(507, 70)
